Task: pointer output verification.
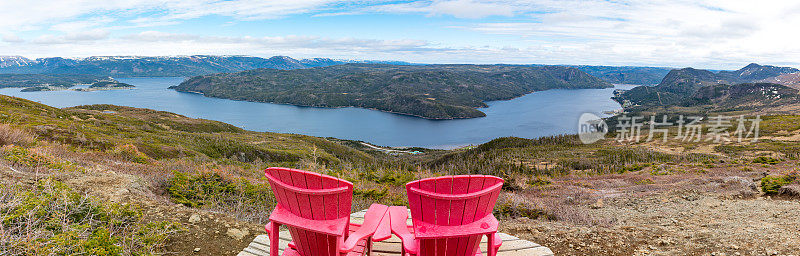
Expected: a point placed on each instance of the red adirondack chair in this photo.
(450, 215)
(316, 210)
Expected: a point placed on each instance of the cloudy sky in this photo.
(723, 34)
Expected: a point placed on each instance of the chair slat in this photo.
(428, 207)
(314, 181)
(303, 200)
(317, 201)
(345, 203)
(444, 185)
(414, 199)
(455, 246)
(428, 204)
(331, 201)
(291, 196)
(333, 248)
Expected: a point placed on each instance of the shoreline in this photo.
(387, 111)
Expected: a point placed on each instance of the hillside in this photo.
(755, 72)
(163, 66)
(627, 75)
(748, 96)
(124, 181)
(792, 79)
(674, 88)
(679, 85)
(428, 91)
(140, 182)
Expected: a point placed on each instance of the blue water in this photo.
(530, 116)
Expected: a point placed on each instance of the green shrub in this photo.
(633, 168)
(397, 178)
(131, 153)
(538, 181)
(51, 219)
(511, 182)
(771, 184)
(766, 160)
(506, 209)
(25, 157)
(211, 189)
(371, 194)
(12, 136)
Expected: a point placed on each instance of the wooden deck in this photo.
(512, 246)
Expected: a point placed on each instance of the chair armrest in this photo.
(384, 230)
(398, 216)
(483, 226)
(335, 227)
(372, 220)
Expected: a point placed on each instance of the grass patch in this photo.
(25, 157)
(51, 219)
(132, 154)
(208, 190)
(12, 136)
(506, 209)
(538, 181)
(766, 160)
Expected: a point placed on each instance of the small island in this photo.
(106, 85)
(61, 82)
(45, 88)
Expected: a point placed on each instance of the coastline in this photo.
(386, 111)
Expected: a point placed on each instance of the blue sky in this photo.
(718, 34)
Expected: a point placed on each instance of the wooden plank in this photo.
(513, 245)
(246, 253)
(359, 214)
(538, 251)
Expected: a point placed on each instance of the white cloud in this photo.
(12, 38)
(659, 32)
(16, 15)
(458, 8)
(73, 37)
(702, 33)
(284, 43)
(82, 25)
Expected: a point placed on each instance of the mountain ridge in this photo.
(160, 66)
(695, 87)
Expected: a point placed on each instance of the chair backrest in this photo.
(451, 201)
(310, 195)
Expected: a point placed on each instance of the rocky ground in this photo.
(687, 224)
(207, 233)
